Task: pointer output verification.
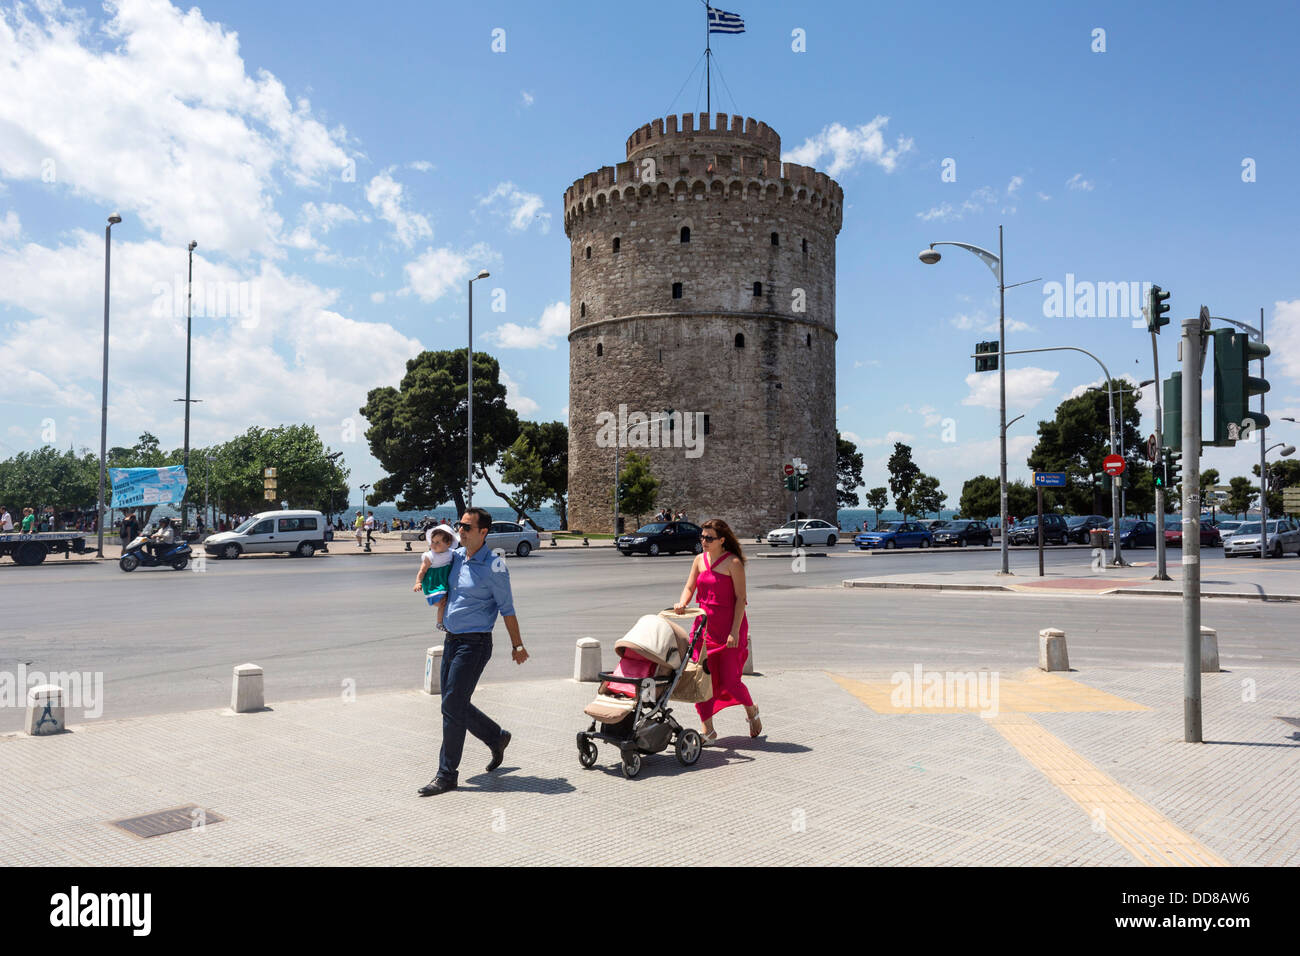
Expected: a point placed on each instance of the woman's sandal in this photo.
(754, 731)
(709, 739)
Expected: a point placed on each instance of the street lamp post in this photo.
(103, 419)
(1287, 451)
(207, 504)
(995, 263)
(189, 293)
(469, 398)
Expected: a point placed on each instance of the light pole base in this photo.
(1161, 577)
(1006, 574)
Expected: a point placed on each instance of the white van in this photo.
(300, 533)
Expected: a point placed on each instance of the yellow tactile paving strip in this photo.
(1132, 822)
(1153, 839)
(1030, 692)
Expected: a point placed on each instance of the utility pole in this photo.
(1192, 348)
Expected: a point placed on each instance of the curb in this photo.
(1130, 592)
(926, 587)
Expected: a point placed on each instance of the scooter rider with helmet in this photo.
(163, 538)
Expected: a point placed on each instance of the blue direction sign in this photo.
(1049, 479)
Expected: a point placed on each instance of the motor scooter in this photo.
(134, 555)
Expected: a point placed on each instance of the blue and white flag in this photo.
(720, 21)
(136, 487)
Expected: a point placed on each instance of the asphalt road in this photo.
(165, 641)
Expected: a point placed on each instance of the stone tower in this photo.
(702, 281)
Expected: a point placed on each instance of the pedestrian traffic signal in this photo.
(1171, 428)
(1156, 311)
(1234, 386)
(986, 363)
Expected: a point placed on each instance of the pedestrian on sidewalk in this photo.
(719, 575)
(370, 529)
(130, 528)
(357, 526)
(6, 522)
(478, 589)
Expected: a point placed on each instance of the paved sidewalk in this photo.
(1080, 770)
(1238, 578)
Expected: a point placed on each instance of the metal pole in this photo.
(1116, 558)
(1263, 472)
(1040, 530)
(1002, 400)
(189, 291)
(469, 403)
(618, 438)
(103, 418)
(708, 61)
(1123, 494)
(1193, 333)
(1162, 572)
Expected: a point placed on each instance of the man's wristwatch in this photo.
(516, 647)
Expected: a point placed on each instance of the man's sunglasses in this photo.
(462, 526)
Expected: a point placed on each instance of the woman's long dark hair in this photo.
(729, 541)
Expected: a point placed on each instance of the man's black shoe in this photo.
(499, 751)
(435, 787)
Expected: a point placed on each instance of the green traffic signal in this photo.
(1171, 429)
(1234, 386)
(803, 483)
(1157, 311)
(988, 363)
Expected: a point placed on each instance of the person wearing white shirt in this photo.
(6, 522)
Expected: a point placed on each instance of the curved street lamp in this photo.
(113, 220)
(469, 398)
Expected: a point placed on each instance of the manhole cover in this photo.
(189, 817)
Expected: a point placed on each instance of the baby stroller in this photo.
(631, 706)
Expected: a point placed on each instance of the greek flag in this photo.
(720, 21)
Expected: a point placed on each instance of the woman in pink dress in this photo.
(719, 575)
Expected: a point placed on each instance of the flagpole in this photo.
(708, 62)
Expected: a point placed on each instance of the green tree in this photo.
(45, 477)
(1076, 441)
(639, 487)
(537, 464)
(305, 476)
(848, 472)
(903, 476)
(927, 495)
(1282, 473)
(979, 497)
(1241, 495)
(417, 431)
(878, 501)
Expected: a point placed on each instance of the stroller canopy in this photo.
(654, 639)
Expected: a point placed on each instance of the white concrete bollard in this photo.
(1209, 650)
(246, 695)
(586, 660)
(433, 670)
(749, 658)
(44, 710)
(1052, 652)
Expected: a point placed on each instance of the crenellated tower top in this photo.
(748, 136)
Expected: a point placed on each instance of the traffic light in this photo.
(1173, 467)
(1234, 386)
(1171, 429)
(803, 482)
(989, 363)
(1157, 312)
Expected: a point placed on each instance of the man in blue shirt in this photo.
(478, 588)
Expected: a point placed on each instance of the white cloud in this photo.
(10, 227)
(1026, 387)
(386, 195)
(554, 324)
(431, 274)
(377, 297)
(318, 220)
(852, 436)
(422, 165)
(564, 413)
(977, 202)
(1044, 197)
(888, 439)
(527, 98)
(154, 115)
(1079, 183)
(521, 209)
(515, 399)
(1015, 184)
(980, 323)
(1284, 330)
(847, 148)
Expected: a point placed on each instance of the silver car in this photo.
(810, 531)
(1283, 537)
(511, 537)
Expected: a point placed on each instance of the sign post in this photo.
(1045, 479)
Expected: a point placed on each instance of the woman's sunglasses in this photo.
(709, 537)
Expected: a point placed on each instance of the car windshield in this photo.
(243, 528)
(1252, 527)
(651, 528)
(956, 525)
(889, 526)
(1028, 522)
(791, 524)
(936, 525)
(1076, 521)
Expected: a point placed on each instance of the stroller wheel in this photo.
(586, 752)
(631, 763)
(688, 747)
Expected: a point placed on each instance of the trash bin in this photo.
(1099, 538)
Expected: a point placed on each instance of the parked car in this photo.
(1134, 533)
(509, 536)
(933, 525)
(1080, 527)
(960, 532)
(895, 534)
(301, 533)
(1210, 537)
(1228, 527)
(661, 537)
(810, 531)
(1283, 536)
(1026, 530)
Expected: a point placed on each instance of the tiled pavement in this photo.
(832, 781)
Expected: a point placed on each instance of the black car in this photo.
(662, 537)
(1081, 527)
(962, 531)
(1026, 530)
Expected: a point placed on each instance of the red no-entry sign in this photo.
(789, 470)
(1113, 465)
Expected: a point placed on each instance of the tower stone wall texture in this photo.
(733, 323)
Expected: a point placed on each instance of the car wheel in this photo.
(889, 545)
(830, 541)
(924, 544)
(698, 547)
(523, 549)
(305, 550)
(1277, 551)
(230, 551)
(626, 554)
(961, 542)
(654, 550)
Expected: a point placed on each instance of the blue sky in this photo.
(346, 169)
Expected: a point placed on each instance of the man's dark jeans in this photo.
(463, 658)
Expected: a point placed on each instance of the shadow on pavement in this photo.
(503, 782)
